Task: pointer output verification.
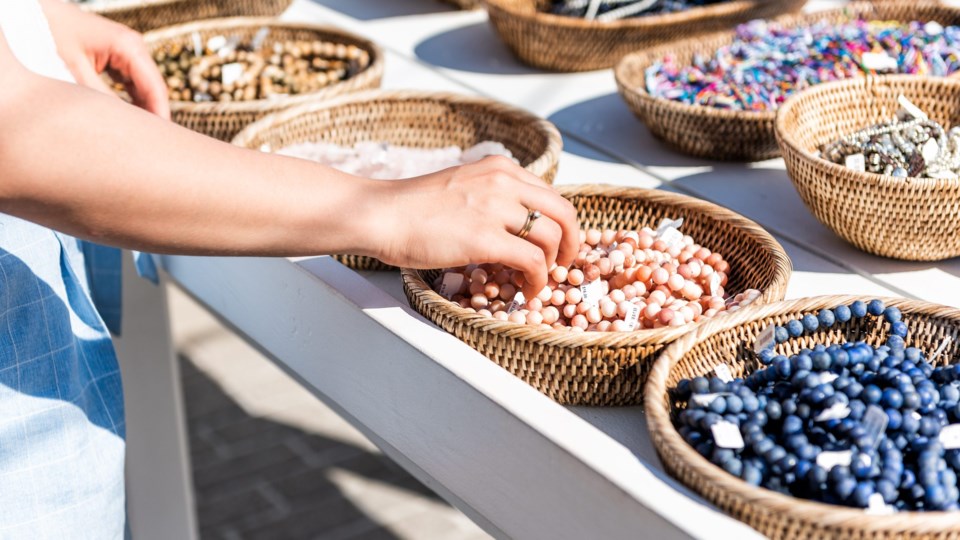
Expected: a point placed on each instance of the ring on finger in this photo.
(532, 216)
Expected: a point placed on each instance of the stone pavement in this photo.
(270, 461)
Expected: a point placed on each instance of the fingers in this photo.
(544, 232)
(86, 75)
(131, 61)
(523, 256)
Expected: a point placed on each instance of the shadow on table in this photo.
(475, 48)
(607, 122)
(258, 478)
(367, 10)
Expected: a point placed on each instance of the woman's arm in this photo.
(92, 166)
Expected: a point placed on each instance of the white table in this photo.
(517, 463)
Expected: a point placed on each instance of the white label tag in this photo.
(829, 460)
(722, 371)
(727, 435)
(257, 42)
(950, 436)
(633, 317)
(671, 237)
(910, 110)
(705, 400)
(875, 423)
(216, 43)
(667, 223)
(592, 292)
(197, 44)
(879, 61)
(714, 282)
(857, 162)
(452, 281)
(877, 507)
(827, 378)
(516, 303)
(943, 346)
(765, 340)
(933, 28)
(930, 151)
(838, 411)
(231, 73)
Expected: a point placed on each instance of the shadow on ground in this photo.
(368, 10)
(255, 478)
(475, 48)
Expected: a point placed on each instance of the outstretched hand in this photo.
(472, 214)
(90, 44)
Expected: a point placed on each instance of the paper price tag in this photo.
(197, 44)
(671, 237)
(451, 284)
(216, 43)
(633, 317)
(727, 435)
(950, 436)
(706, 399)
(857, 162)
(930, 151)
(592, 292)
(838, 411)
(667, 223)
(875, 423)
(908, 110)
(257, 42)
(877, 507)
(515, 304)
(943, 346)
(231, 73)
(829, 460)
(828, 378)
(714, 283)
(879, 61)
(722, 371)
(765, 340)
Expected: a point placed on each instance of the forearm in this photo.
(94, 167)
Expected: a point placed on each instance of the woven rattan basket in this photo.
(411, 118)
(224, 120)
(727, 340)
(145, 15)
(463, 4)
(560, 43)
(738, 135)
(913, 219)
(605, 368)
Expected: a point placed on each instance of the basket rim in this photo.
(639, 61)
(667, 440)
(372, 72)
(416, 286)
(788, 140)
(681, 17)
(539, 166)
(104, 7)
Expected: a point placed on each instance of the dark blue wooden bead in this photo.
(875, 307)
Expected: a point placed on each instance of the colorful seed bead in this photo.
(607, 295)
(767, 62)
(847, 423)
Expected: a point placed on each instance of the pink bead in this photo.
(623, 308)
(575, 277)
(619, 326)
(652, 311)
(603, 326)
(501, 316)
(666, 315)
(558, 298)
(534, 318)
(640, 287)
(608, 309)
(593, 237)
(476, 287)
(518, 317)
(534, 304)
(677, 321)
(676, 282)
(703, 254)
(591, 273)
(645, 241)
(644, 273)
(686, 313)
(692, 291)
(629, 292)
(478, 301)
(593, 315)
(579, 321)
(497, 305)
(569, 311)
(657, 297)
(508, 292)
(616, 258)
(559, 274)
(545, 294)
(551, 314)
(660, 276)
(684, 270)
(605, 266)
(608, 236)
(485, 312)
(583, 307)
(491, 290)
(480, 275)
(574, 296)
(502, 277)
(694, 267)
(465, 302)
(617, 296)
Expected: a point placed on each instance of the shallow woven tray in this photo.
(144, 15)
(720, 134)
(224, 120)
(411, 118)
(912, 219)
(597, 368)
(560, 43)
(726, 340)
(463, 4)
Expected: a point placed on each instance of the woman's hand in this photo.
(472, 214)
(90, 44)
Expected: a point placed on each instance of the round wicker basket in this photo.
(464, 4)
(739, 135)
(560, 43)
(145, 15)
(726, 340)
(411, 118)
(609, 368)
(224, 120)
(915, 219)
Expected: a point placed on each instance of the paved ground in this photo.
(272, 462)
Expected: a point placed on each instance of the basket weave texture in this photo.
(714, 133)
(145, 15)
(727, 340)
(560, 43)
(597, 368)
(416, 119)
(916, 219)
(463, 4)
(224, 120)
